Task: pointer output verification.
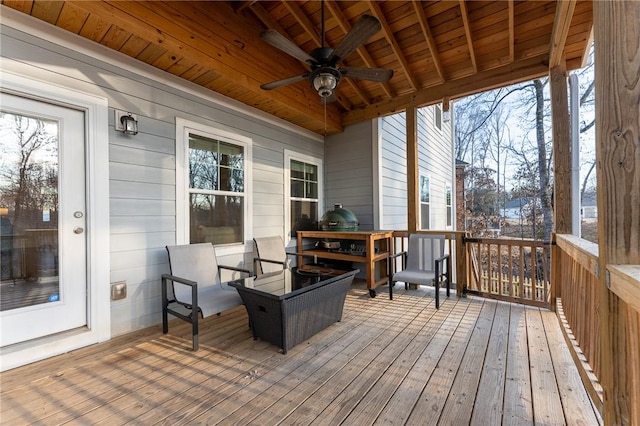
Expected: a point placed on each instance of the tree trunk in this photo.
(544, 190)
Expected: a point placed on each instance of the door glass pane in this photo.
(28, 211)
(216, 219)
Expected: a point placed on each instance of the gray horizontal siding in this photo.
(349, 172)
(142, 167)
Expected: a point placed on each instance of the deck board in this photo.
(387, 362)
(488, 406)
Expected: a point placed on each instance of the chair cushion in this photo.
(415, 276)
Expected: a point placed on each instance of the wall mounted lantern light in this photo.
(126, 122)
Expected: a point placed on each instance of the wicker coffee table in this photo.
(286, 308)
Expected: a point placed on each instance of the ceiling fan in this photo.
(325, 72)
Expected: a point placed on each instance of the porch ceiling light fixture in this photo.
(126, 122)
(325, 81)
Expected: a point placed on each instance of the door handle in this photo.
(78, 230)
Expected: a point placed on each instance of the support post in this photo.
(413, 189)
(561, 150)
(617, 89)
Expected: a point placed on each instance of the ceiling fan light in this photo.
(325, 83)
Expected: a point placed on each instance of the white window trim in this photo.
(292, 155)
(452, 216)
(430, 203)
(183, 128)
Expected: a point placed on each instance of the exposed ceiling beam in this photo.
(512, 32)
(267, 20)
(561, 25)
(241, 5)
(193, 41)
(467, 33)
(516, 72)
(426, 31)
(345, 26)
(388, 34)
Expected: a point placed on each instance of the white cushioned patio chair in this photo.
(271, 255)
(196, 288)
(424, 263)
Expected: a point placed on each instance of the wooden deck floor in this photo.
(474, 361)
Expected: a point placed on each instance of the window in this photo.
(424, 202)
(214, 167)
(437, 117)
(304, 177)
(449, 203)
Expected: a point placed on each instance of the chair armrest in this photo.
(439, 260)
(180, 280)
(234, 268)
(402, 253)
(262, 259)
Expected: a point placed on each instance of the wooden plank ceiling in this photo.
(437, 49)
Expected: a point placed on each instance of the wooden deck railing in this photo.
(576, 270)
(583, 295)
(508, 269)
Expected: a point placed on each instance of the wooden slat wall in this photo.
(142, 167)
(617, 89)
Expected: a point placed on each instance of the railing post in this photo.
(556, 273)
(461, 265)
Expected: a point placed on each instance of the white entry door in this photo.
(43, 274)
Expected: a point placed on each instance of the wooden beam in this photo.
(345, 26)
(524, 70)
(512, 32)
(562, 205)
(467, 33)
(617, 89)
(374, 6)
(193, 40)
(426, 32)
(413, 177)
(561, 25)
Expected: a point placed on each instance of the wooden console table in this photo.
(377, 245)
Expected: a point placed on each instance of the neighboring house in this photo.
(517, 209)
(135, 194)
(589, 206)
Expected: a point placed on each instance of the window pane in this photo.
(311, 172)
(297, 188)
(231, 179)
(297, 170)
(304, 216)
(203, 163)
(424, 216)
(424, 189)
(231, 155)
(312, 190)
(216, 218)
(448, 216)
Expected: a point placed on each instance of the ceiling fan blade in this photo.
(361, 32)
(381, 75)
(283, 82)
(279, 41)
